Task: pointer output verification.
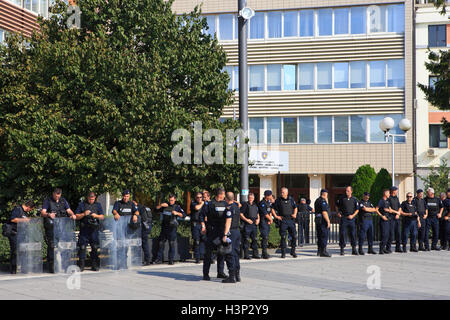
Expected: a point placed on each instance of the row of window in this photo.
(37, 6)
(320, 129)
(320, 76)
(437, 35)
(312, 23)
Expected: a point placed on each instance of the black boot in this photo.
(293, 254)
(413, 248)
(222, 275)
(342, 252)
(81, 264)
(265, 255)
(283, 254)
(436, 248)
(246, 255)
(361, 251)
(371, 251)
(398, 249)
(51, 267)
(230, 278)
(404, 249)
(256, 255)
(13, 269)
(324, 253)
(238, 275)
(381, 250)
(354, 251)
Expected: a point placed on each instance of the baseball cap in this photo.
(366, 194)
(267, 193)
(419, 191)
(124, 192)
(394, 188)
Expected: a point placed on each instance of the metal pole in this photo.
(243, 95)
(393, 161)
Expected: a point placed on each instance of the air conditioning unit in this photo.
(431, 153)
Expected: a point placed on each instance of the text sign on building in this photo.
(268, 161)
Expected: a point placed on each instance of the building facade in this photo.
(432, 33)
(322, 75)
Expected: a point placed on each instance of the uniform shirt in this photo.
(421, 206)
(348, 206)
(46, 204)
(409, 208)
(247, 209)
(365, 204)
(235, 215)
(117, 206)
(447, 206)
(265, 208)
(18, 212)
(321, 205)
(279, 204)
(383, 206)
(82, 207)
(434, 205)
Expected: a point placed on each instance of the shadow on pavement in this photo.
(173, 275)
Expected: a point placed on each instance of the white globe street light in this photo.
(247, 13)
(386, 124)
(405, 125)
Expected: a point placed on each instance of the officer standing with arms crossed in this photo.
(348, 210)
(396, 223)
(89, 212)
(287, 213)
(196, 227)
(235, 233)
(304, 210)
(322, 221)
(434, 206)
(411, 220)
(169, 212)
(19, 214)
(54, 207)
(367, 210)
(265, 221)
(250, 216)
(422, 211)
(216, 224)
(146, 227)
(384, 211)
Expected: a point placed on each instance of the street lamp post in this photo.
(386, 125)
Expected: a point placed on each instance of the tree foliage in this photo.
(362, 180)
(382, 181)
(94, 108)
(438, 178)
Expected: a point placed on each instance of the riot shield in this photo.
(29, 246)
(65, 244)
(120, 245)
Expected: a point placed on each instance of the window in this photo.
(341, 129)
(35, 6)
(289, 77)
(236, 78)
(290, 24)
(273, 130)
(396, 130)
(226, 27)
(437, 137)
(306, 23)
(324, 134)
(378, 74)
(295, 181)
(358, 74)
(256, 78)
(376, 135)
(341, 21)
(306, 81)
(325, 18)
(396, 18)
(324, 76)
(44, 8)
(274, 77)
(211, 20)
(289, 130)
(256, 130)
(257, 26)
(229, 70)
(396, 73)
(341, 75)
(358, 20)
(274, 24)
(377, 18)
(27, 4)
(437, 36)
(306, 130)
(358, 125)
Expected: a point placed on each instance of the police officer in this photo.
(304, 210)
(366, 211)
(89, 212)
(322, 221)
(19, 214)
(442, 223)
(435, 208)
(216, 224)
(235, 233)
(408, 211)
(250, 217)
(286, 208)
(146, 228)
(396, 222)
(265, 221)
(383, 209)
(54, 207)
(447, 221)
(169, 213)
(422, 212)
(348, 209)
(196, 228)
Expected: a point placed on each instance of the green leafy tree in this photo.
(441, 4)
(382, 181)
(438, 178)
(94, 108)
(362, 180)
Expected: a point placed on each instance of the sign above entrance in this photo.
(268, 161)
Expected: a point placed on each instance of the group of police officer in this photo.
(221, 223)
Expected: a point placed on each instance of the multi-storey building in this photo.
(322, 75)
(432, 33)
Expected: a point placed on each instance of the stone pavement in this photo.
(423, 275)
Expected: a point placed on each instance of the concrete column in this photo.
(406, 184)
(267, 182)
(316, 182)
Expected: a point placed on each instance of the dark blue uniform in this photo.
(385, 226)
(347, 206)
(285, 209)
(235, 236)
(443, 226)
(434, 205)
(409, 225)
(365, 224)
(250, 211)
(146, 228)
(303, 213)
(321, 205)
(421, 208)
(396, 223)
(196, 229)
(18, 212)
(169, 225)
(265, 208)
(88, 232)
(447, 223)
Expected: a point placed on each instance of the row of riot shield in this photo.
(120, 244)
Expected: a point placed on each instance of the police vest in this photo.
(394, 202)
(320, 205)
(216, 213)
(145, 213)
(386, 205)
(265, 209)
(234, 209)
(167, 215)
(303, 208)
(286, 208)
(409, 208)
(57, 207)
(93, 208)
(125, 209)
(433, 207)
(195, 214)
(348, 205)
(420, 205)
(366, 204)
(252, 211)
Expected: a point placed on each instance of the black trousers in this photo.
(13, 251)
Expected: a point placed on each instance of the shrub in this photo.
(363, 180)
(382, 181)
